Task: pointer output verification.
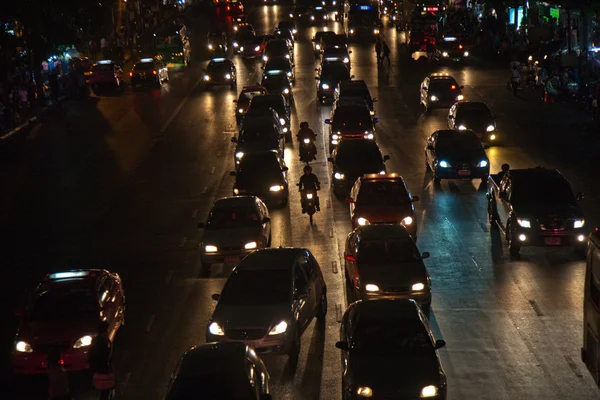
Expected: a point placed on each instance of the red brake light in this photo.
(228, 8)
(453, 87)
(460, 46)
(350, 258)
(154, 72)
(131, 74)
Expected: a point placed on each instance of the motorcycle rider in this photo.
(309, 181)
(306, 133)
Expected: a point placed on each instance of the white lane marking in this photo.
(330, 232)
(195, 214)
(338, 312)
(212, 170)
(179, 107)
(328, 203)
(150, 322)
(183, 242)
(169, 276)
(334, 268)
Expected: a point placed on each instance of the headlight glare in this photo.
(466, 54)
(309, 196)
(346, 60)
(325, 86)
(369, 287)
(235, 44)
(578, 223)
(239, 155)
(433, 98)
(417, 287)
(215, 329)
(210, 249)
(429, 391)
(482, 164)
(307, 140)
(364, 391)
(227, 76)
(445, 54)
(276, 188)
(286, 90)
(83, 342)
(279, 328)
(338, 176)
(462, 128)
(460, 97)
(407, 221)
(23, 347)
(525, 223)
(490, 128)
(206, 78)
(250, 245)
(240, 110)
(257, 48)
(362, 221)
(444, 164)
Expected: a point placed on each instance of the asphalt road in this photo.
(120, 182)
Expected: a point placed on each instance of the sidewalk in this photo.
(31, 120)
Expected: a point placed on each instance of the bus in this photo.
(173, 45)
(591, 307)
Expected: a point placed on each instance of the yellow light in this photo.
(522, 237)
(417, 287)
(210, 249)
(429, 391)
(371, 288)
(492, 137)
(364, 391)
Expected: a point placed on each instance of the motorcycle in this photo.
(307, 151)
(309, 203)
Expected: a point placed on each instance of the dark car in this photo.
(64, 313)
(536, 207)
(228, 370)
(312, 14)
(241, 35)
(278, 103)
(243, 101)
(329, 74)
(288, 24)
(263, 174)
(284, 33)
(255, 112)
(148, 71)
(279, 83)
(318, 40)
(350, 119)
(382, 261)
(355, 89)
(278, 64)
(336, 53)
(454, 154)
(451, 48)
(440, 91)
(216, 42)
(338, 39)
(354, 158)
(389, 351)
(277, 48)
(475, 116)
(382, 199)
(220, 71)
(258, 134)
(269, 300)
(254, 46)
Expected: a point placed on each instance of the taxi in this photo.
(246, 95)
(107, 74)
(148, 71)
(64, 313)
(220, 71)
(440, 91)
(450, 48)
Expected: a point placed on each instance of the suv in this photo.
(350, 119)
(269, 300)
(278, 103)
(354, 89)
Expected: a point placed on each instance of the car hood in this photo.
(57, 332)
(543, 212)
(393, 274)
(476, 124)
(359, 169)
(259, 145)
(251, 316)
(383, 213)
(259, 183)
(233, 237)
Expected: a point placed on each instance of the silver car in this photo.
(236, 226)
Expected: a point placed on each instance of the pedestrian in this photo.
(378, 49)
(58, 381)
(515, 79)
(100, 355)
(103, 46)
(386, 54)
(93, 49)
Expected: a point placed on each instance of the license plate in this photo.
(552, 241)
(464, 172)
(232, 259)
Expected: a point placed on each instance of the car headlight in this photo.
(492, 137)
(312, 17)
(309, 196)
(444, 164)
(83, 341)
(307, 140)
(287, 56)
(276, 188)
(490, 128)
(236, 191)
(578, 223)
(346, 60)
(335, 136)
(210, 46)
(445, 54)
(338, 176)
(289, 74)
(417, 287)
(462, 128)
(369, 136)
(206, 78)
(362, 221)
(235, 44)
(242, 48)
(429, 391)
(23, 347)
(215, 329)
(291, 15)
(376, 31)
(286, 91)
(318, 46)
(525, 223)
(460, 97)
(285, 129)
(294, 31)
(466, 54)
(351, 31)
(279, 328)
(282, 121)
(433, 98)
(482, 164)
(325, 86)
(227, 76)
(250, 245)
(530, 58)
(382, 172)
(407, 221)
(364, 391)
(240, 110)
(265, 58)
(210, 249)
(239, 155)
(369, 287)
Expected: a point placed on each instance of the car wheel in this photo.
(205, 269)
(322, 308)
(492, 214)
(294, 353)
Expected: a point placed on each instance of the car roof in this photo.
(357, 144)
(472, 105)
(72, 278)
(383, 232)
(234, 201)
(201, 359)
(260, 154)
(453, 132)
(537, 173)
(270, 259)
(270, 98)
(386, 309)
(351, 103)
(392, 177)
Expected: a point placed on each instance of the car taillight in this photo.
(131, 74)
(154, 72)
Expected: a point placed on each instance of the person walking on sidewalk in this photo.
(58, 381)
(100, 355)
(103, 46)
(386, 54)
(378, 49)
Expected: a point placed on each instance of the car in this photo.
(288, 24)
(454, 154)
(475, 116)
(254, 47)
(229, 370)
(536, 207)
(354, 158)
(338, 40)
(336, 53)
(269, 300)
(329, 74)
(241, 35)
(450, 48)
(389, 351)
(318, 40)
(382, 199)
(382, 261)
(220, 71)
(235, 10)
(216, 42)
(284, 33)
(64, 313)
(243, 101)
(235, 227)
(107, 74)
(263, 174)
(258, 134)
(312, 14)
(277, 48)
(355, 89)
(440, 91)
(278, 64)
(278, 103)
(255, 113)
(148, 71)
(350, 119)
(279, 83)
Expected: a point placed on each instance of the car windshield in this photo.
(258, 133)
(355, 91)
(335, 72)
(146, 66)
(253, 166)
(452, 143)
(250, 94)
(212, 385)
(323, 35)
(282, 63)
(358, 152)
(277, 47)
(542, 192)
(387, 252)
(475, 113)
(233, 217)
(275, 83)
(395, 336)
(220, 67)
(255, 40)
(388, 193)
(257, 287)
(103, 68)
(443, 85)
(63, 305)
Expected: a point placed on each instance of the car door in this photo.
(303, 308)
(503, 205)
(424, 89)
(431, 153)
(452, 117)
(350, 255)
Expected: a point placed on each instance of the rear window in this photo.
(234, 217)
(277, 46)
(339, 71)
(382, 193)
(143, 67)
(386, 252)
(103, 68)
(220, 67)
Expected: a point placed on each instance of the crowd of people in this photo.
(16, 103)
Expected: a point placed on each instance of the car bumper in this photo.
(233, 256)
(280, 197)
(276, 344)
(250, 55)
(453, 173)
(37, 362)
(422, 298)
(411, 229)
(324, 95)
(538, 238)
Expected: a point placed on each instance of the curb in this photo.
(30, 121)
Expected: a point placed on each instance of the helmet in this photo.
(304, 125)
(505, 167)
(307, 168)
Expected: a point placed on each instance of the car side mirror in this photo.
(284, 169)
(215, 296)
(374, 99)
(439, 344)
(376, 120)
(580, 196)
(266, 220)
(352, 76)
(232, 173)
(328, 121)
(201, 225)
(430, 147)
(425, 255)
(342, 346)
(385, 158)
(235, 101)
(415, 198)
(234, 140)
(330, 159)
(503, 195)
(350, 200)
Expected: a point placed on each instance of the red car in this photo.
(247, 93)
(64, 313)
(382, 199)
(107, 74)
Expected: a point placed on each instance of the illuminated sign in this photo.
(105, 62)
(218, 59)
(364, 8)
(146, 60)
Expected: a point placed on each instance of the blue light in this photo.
(146, 60)
(449, 39)
(365, 8)
(67, 275)
(220, 59)
(444, 164)
(105, 62)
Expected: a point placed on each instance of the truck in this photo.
(535, 207)
(173, 45)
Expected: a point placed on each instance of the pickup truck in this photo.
(535, 207)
